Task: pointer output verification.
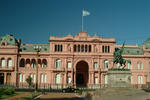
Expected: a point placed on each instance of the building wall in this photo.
(96, 76)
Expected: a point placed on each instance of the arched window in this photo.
(86, 48)
(103, 49)
(78, 48)
(3, 62)
(22, 63)
(75, 48)
(33, 63)
(106, 64)
(58, 63)
(108, 49)
(44, 63)
(139, 65)
(140, 79)
(89, 48)
(82, 48)
(58, 77)
(9, 62)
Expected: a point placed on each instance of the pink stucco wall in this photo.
(68, 55)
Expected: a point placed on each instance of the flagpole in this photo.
(82, 19)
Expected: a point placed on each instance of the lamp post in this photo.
(37, 49)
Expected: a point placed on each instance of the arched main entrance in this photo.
(82, 69)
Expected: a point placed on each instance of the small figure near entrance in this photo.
(118, 57)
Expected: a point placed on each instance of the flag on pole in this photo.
(85, 13)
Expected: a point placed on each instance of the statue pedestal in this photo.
(119, 79)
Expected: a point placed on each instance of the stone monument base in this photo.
(119, 79)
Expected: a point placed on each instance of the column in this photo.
(5, 78)
(74, 78)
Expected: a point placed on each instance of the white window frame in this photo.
(95, 65)
(9, 62)
(58, 78)
(58, 64)
(106, 64)
(69, 65)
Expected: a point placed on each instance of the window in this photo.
(140, 79)
(58, 63)
(95, 65)
(82, 48)
(22, 63)
(89, 48)
(86, 48)
(44, 63)
(2, 62)
(106, 64)
(69, 64)
(33, 63)
(118, 65)
(69, 80)
(43, 78)
(21, 77)
(129, 66)
(75, 48)
(58, 78)
(33, 76)
(9, 62)
(78, 48)
(105, 49)
(58, 48)
(139, 65)
(96, 80)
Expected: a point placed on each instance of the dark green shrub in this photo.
(9, 91)
(1, 91)
(79, 92)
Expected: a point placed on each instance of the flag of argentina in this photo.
(85, 13)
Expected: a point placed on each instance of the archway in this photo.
(82, 73)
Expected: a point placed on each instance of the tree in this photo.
(29, 81)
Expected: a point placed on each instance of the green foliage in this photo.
(29, 81)
(9, 91)
(79, 92)
(6, 93)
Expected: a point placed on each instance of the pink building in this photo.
(79, 60)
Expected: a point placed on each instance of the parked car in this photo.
(70, 89)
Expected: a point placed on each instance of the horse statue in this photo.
(118, 57)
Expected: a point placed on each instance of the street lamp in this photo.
(37, 49)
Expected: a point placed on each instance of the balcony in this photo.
(7, 68)
(59, 69)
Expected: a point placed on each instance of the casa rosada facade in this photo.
(79, 60)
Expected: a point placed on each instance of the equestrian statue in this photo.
(118, 57)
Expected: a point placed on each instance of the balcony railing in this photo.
(7, 68)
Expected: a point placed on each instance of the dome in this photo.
(8, 40)
(147, 44)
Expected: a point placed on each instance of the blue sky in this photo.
(35, 20)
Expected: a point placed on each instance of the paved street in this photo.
(59, 96)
